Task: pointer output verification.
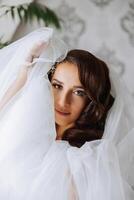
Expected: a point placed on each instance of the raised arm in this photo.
(14, 88)
(22, 76)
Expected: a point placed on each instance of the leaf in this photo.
(30, 12)
(35, 11)
(12, 11)
(25, 19)
(3, 44)
(27, 12)
(52, 17)
(20, 11)
(7, 11)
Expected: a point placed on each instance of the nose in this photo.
(63, 100)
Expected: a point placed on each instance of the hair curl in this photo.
(94, 76)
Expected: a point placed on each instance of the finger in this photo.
(36, 51)
(38, 48)
(29, 58)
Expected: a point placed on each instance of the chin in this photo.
(59, 123)
(62, 123)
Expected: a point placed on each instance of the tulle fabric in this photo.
(33, 164)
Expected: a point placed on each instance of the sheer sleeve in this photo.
(14, 88)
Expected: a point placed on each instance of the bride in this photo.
(66, 124)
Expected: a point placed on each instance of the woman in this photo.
(40, 157)
(82, 103)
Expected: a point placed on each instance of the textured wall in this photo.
(104, 27)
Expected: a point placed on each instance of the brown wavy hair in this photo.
(94, 76)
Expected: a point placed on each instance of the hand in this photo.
(34, 53)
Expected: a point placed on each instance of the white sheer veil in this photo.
(119, 129)
(30, 110)
(27, 121)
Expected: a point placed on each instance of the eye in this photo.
(80, 93)
(56, 86)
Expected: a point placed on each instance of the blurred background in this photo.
(104, 27)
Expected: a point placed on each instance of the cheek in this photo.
(78, 107)
(56, 97)
(53, 93)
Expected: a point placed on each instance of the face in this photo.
(69, 95)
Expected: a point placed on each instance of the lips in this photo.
(62, 112)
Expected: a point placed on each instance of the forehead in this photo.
(67, 72)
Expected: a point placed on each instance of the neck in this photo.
(60, 130)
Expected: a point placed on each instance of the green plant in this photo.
(30, 11)
(27, 12)
(3, 44)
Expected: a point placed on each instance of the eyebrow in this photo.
(76, 86)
